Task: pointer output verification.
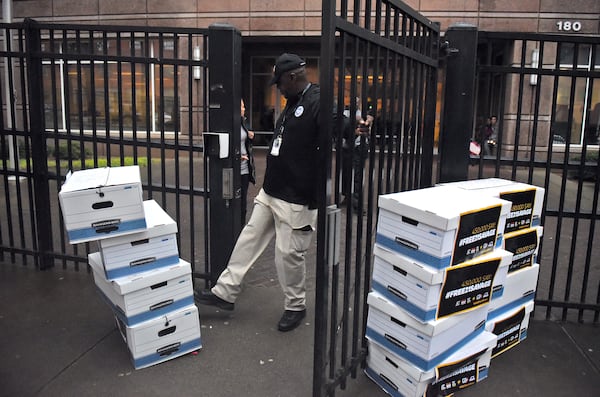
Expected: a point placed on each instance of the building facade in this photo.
(270, 27)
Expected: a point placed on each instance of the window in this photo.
(107, 95)
(585, 121)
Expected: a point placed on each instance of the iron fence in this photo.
(379, 65)
(76, 97)
(544, 90)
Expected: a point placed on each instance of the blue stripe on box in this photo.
(89, 233)
(483, 374)
(127, 270)
(423, 257)
(497, 294)
(146, 315)
(155, 358)
(387, 387)
(499, 239)
(411, 357)
(421, 314)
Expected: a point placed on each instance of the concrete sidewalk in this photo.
(58, 338)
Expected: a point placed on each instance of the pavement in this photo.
(58, 338)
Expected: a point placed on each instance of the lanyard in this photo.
(285, 111)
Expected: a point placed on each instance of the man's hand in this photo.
(364, 126)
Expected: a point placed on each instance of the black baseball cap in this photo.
(285, 63)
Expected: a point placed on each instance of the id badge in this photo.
(276, 146)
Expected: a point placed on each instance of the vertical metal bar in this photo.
(536, 112)
(16, 147)
(134, 110)
(161, 111)
(190, 151)
(547, 184)
(430, 110)
(107, 105)
(93, 94)
(594, 214)
(148, 46)
(10, 144)
(322, 272)
(39, 149)
(120, 112)
(519, 111)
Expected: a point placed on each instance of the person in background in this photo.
(361, 153)
(355, 146)
(286, 206)
(488, 136)
(247, 161)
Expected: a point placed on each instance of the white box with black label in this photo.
(102, 202)
(510, 327)
(524, 245)
(441, 226)
(162, 338)
(519, 287)
(528, 200)
(152, 248)
(427, 293)
(144, 296)
(425, 345)
(462, 369)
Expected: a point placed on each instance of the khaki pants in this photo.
(292, 225)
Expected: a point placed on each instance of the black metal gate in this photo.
(379, 65)
(77, 96)
(544, 90)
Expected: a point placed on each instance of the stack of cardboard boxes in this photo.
(137, 269)
(509, 313)
(439, 262)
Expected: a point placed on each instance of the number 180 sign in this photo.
(568, 26)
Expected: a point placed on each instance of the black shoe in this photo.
(290, 320)
(210, 299)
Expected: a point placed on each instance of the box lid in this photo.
(431, 328)
(423, 272)
(93, 178)
(483, 341)
(497, 185)
(527, 200)
(496, 317)
(158, 223)
(440, 206)
(136, 281)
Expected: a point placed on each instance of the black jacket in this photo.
(291, 176)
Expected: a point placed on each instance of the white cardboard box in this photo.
(142, 296)
(519, 288)
(152, 248)
(102, 202)
(527, 199)
(524, 245)
(441, 226)
(464, 368)
(510, 327)
(162, 338)
(423, 291)
(425, 345)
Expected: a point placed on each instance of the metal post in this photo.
(324, 196)
(224, 67)
(9, 97)
(458, 102)
(39, 149)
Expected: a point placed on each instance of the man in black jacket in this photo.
(285, 207)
